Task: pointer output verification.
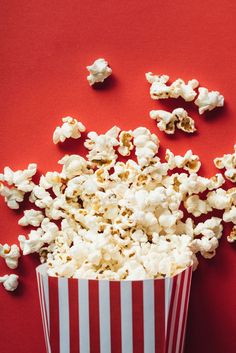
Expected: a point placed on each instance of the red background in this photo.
(45, 46)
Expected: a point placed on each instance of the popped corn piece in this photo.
(126, 145)
(189, 161)
(230, 174)
(98, 71)
(166, 120)
(232, 236)
(180, 89)
(219, 199)
(210, 228)
(10, 282)
(31, 217)
(12, 196)
(11, 254)
(71, 128)
(206, 246)
(20, 182)
(102, 146)
(230, 215)
(146, 145)
(33, 243)
(196, 206)
(158, 89)
(184, 122)
(208, 100)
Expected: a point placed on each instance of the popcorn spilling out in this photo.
(10, 282)
(167, 121)
(227, 162)
(98, 71)
(208, 100)
(71, 128)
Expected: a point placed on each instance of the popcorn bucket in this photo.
(102, 316)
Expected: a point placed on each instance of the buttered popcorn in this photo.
(103, 218)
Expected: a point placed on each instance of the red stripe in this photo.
(73, 288)
(94, 317)
(179, 300)
(170, 314)
(186, 309)
(115, 311)
(54, 314)
(138, 325)
(159, 302)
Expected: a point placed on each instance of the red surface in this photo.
(45, 46)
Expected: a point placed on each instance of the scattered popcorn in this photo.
(230, 215)
(11, 254)
(31, 217)
(71, 128)
(10, 282)
(126, 145)
(208, 100)
(159, 89)
(178, 117)
(228, 162)
(196, 206)
(98, 71)
(20, 182)
(180, 89)
(189, 161)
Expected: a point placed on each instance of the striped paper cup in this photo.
(102, 316)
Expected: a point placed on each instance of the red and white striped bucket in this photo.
(102, 316)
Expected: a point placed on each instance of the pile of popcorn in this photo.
(102, 218)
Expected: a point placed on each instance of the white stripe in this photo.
(64, 315)
(126, 317)
(173, 319)
(41, 307)
(45, 315)
(104, 316)
(84, 316)
(148, 316)
(168, 290)
(182, 309)
(46, 293)
(188, 289)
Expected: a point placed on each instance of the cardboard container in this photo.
(102, 316)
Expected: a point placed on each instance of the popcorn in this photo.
(102, 146)
(228, 161)
(126, 145)
(210, 228)
(178, 88)
(146, 144)
(230, 215)
(71, 128)
(31, 217)
(184, 123)
(98, 71)
(33, 243)
(158, 89)
(166, 120)
(189, 161)
(10, 282)
(20, 182)
(11, 254)
(196, 206)
(232, 236)
(219, 199)
(208, 100)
